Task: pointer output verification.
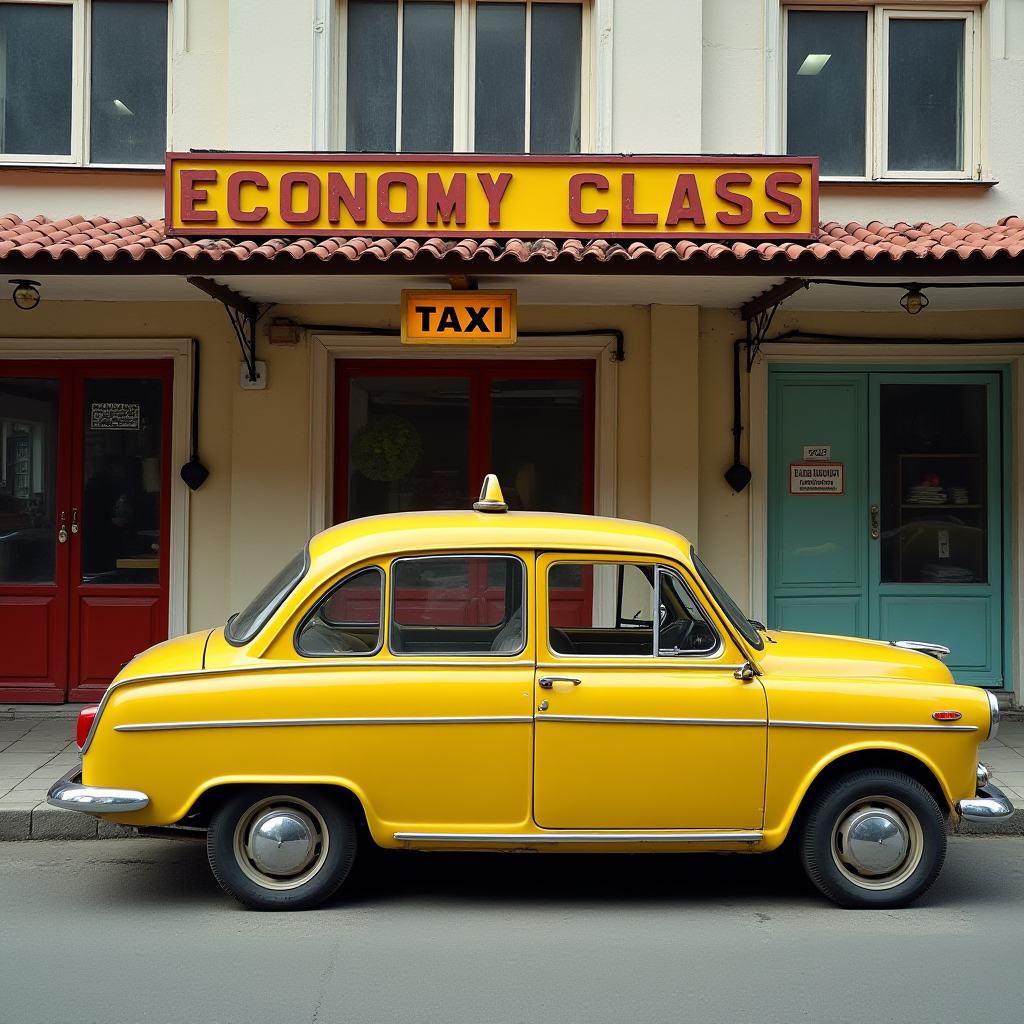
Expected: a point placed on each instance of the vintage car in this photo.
(480, 680)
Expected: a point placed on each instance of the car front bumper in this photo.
(989, 804)
(69, 793)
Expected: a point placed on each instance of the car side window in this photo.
(458, 604)
(683, 628)
(347, 621)
(601, 609)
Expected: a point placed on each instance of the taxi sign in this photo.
(458, 318)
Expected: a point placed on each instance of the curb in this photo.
(40, 821)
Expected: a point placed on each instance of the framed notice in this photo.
(815, 478)
(114, 416)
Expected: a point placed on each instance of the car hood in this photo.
(823, 657)
(182, 654)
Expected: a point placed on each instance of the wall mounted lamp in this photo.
(914, 301)
(26, 294)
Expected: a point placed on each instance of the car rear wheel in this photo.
(277, 849)
(873, 839)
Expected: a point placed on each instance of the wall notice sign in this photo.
(815, 478)
(458, 318)
(114, 416)
(817, 453)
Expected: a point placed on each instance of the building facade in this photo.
(834, 421)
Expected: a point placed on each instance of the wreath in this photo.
(386, 449)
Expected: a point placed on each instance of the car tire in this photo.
(873, 839)
(277, 848)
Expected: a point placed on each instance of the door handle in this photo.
(874, 522)
(62, 533)
(74, 520)
(560, 684)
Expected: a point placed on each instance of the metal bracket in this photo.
(760, 311)
(244, 315)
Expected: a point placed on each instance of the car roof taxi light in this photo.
(491, 498)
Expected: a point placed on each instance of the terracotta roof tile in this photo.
(134, 238)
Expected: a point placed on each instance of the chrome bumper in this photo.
(989, 804)
(69, 793)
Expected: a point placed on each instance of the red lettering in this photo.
(794, 206)
(235, 183)
(190, 196)
(446, 204)
(288, 212)
(338, 193)
(495, 192)
(629, 214)
(685, 203)
(412, 198)
(738, 199)
(576, 184)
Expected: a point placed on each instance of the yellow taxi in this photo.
(488, 679)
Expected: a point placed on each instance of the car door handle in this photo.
(560, 684)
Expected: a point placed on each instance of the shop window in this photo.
(83, 82)
(878, 92)
(439, 76)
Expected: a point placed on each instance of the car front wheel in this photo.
(281, 849)
(873, 839)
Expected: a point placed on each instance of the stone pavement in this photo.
(37, 746)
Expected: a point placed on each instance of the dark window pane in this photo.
(537, 443)
(120, 518)
(28, 479)
(826, 88)
(372, 90)
(934, 514)
(128, 110)
(556, 38)
(500, 115)
(35, 79)
(428, 78)
(926, 94)
(408, 444)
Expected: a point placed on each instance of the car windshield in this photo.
(727, 604)
(241, 628)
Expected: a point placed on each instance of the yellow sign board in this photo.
(245, 195)
(458, 318)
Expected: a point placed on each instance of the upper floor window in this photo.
(83, 81)
(437, 76)
(878, 92)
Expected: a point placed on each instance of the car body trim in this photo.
(662, 662)
(69, 793)
(277, 723)
(532, 838)
(629, 720)
(988, 804)
(871, 726)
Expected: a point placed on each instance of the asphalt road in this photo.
(137, 930)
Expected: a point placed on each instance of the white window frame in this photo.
(879, 16)
(330, 129)
(81, 74)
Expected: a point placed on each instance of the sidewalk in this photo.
(37, 746)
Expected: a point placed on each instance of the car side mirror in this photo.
(745, 672)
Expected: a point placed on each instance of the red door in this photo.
(84, 522)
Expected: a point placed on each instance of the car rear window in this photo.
(243, 626)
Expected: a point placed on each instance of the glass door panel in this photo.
(538, 446)
(28, 479)
(120, 516)
(408, 444)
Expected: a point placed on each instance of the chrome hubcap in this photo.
(281, 842)
(877, 842)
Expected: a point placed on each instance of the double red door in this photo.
(84, 522)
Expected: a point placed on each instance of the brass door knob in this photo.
(62, 533)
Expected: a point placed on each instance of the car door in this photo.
(640, 721)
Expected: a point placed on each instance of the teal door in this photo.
(885, 510)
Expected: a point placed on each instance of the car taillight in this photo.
(85, 720)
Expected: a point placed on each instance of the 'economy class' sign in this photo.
(695, 197)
